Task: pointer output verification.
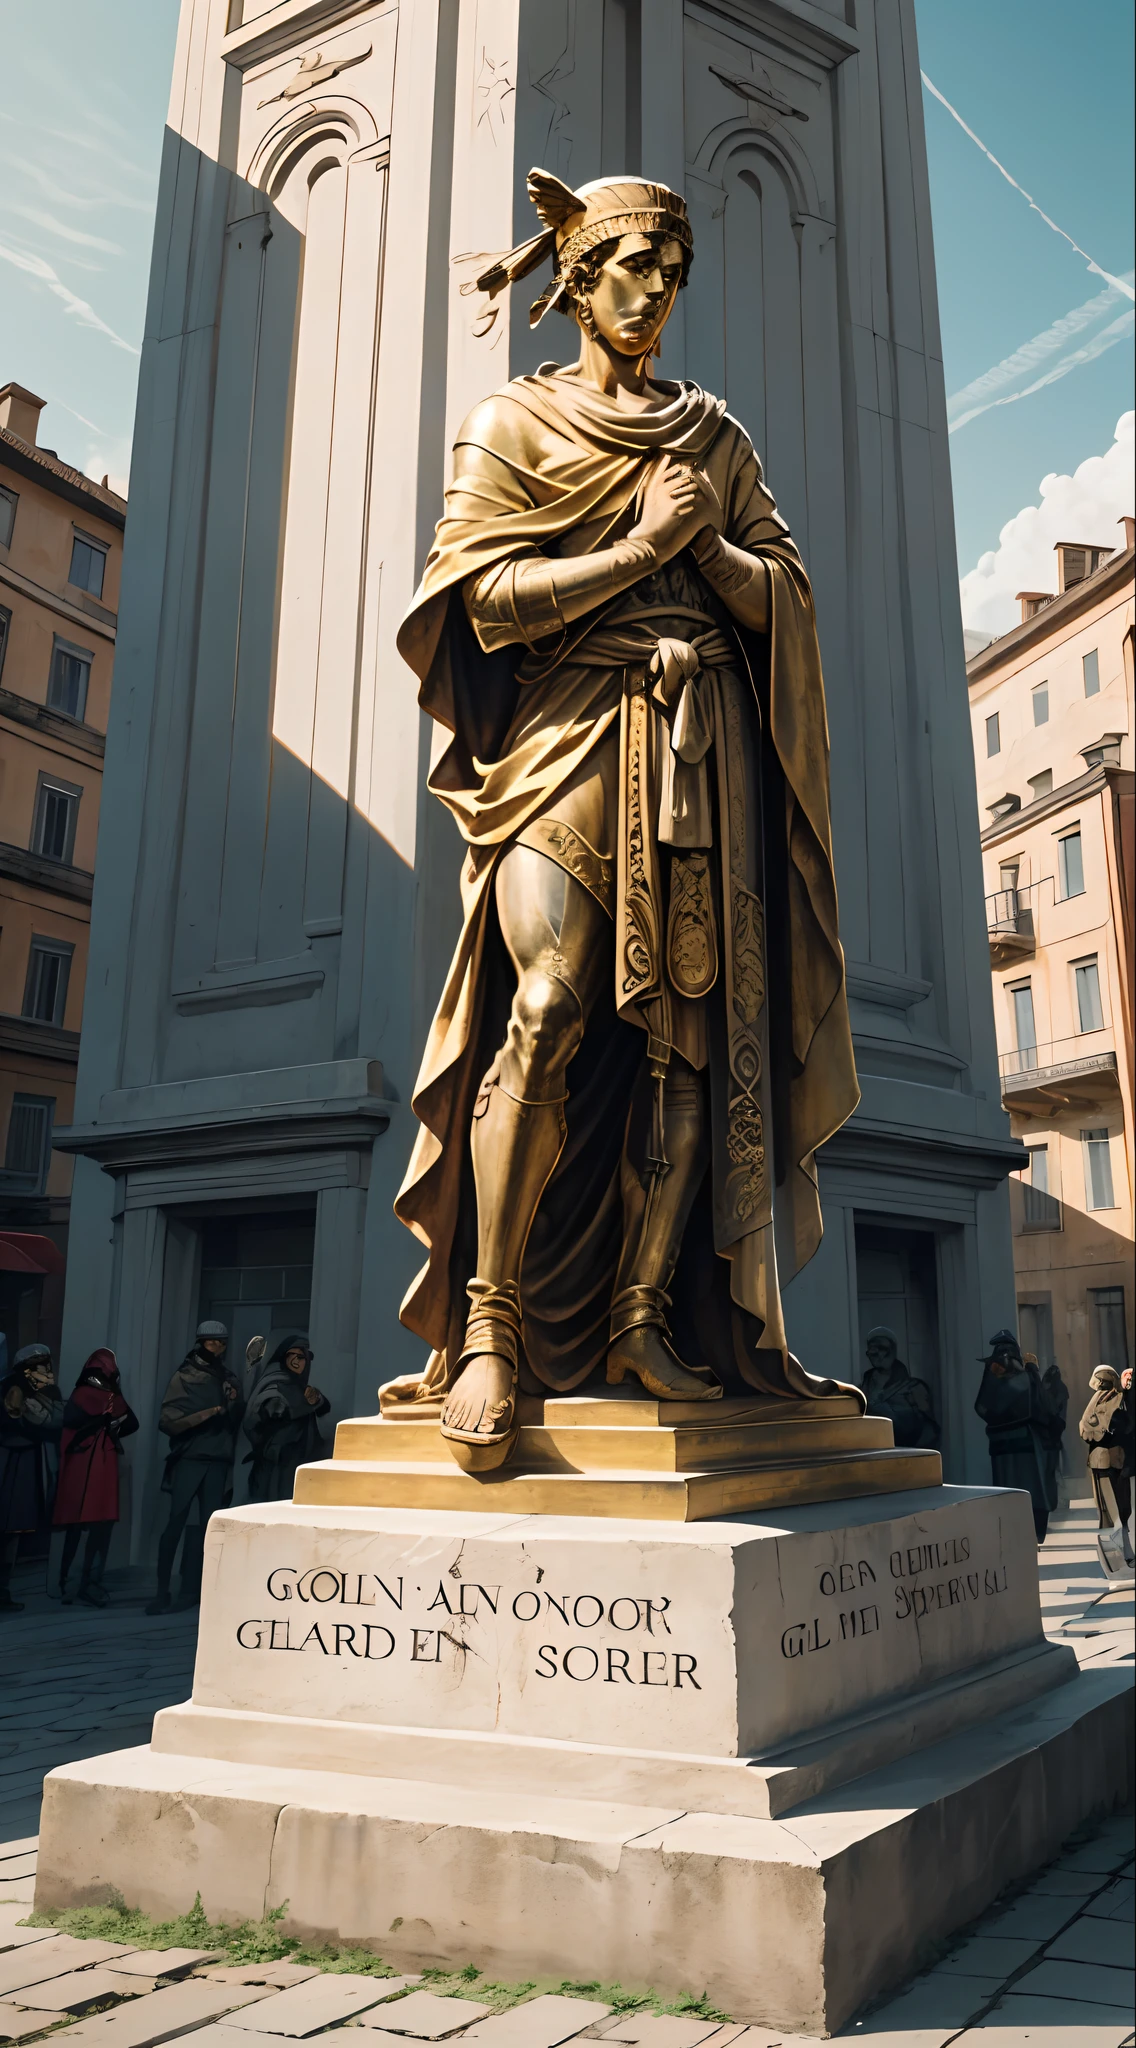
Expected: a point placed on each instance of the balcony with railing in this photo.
(1011, 924)
(1068, 1073)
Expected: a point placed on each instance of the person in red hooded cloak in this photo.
(95, 1420)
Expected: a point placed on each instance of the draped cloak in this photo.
(555, 465)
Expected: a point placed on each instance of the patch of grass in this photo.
(261, 1941)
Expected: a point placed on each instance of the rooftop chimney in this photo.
(1031, 602)
(1129, 525)
(20, 411)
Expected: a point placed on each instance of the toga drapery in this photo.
(556, 466)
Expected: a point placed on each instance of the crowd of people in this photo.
(60, 1460)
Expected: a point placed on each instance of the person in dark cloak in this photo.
(95, 1420)
(1011, 1404)
(282, 1421)
(1055, 1411)
(201, 1414)
(31, 1418)
(891, 1389)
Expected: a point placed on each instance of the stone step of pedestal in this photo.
(757, 1787)
(530, 1884)
(569, 1445)
(689, 1496)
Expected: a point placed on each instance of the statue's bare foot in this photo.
(645, 1351)
(479, 1417)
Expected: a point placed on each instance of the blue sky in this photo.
(1047, 87)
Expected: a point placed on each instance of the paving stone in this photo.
(171, 1962)
(27, 1846)
(1090, 1983)
(544, 2022)
(1117, 1903)
(994, 1955)
(12, 1935)
(324, 2001)
(160, 2015)
(1093, 1941)
(17, 1891)
(51, 1958)
(1103, 1857)
(430, 2018)
(938, 1999)
(16, 2023)
(1022, 2022)
(1067, 1884)
(220, 2034)
(18, 1866)
(77, 1990)
(650, 2030)
(1035, 1917)
(279, 1975)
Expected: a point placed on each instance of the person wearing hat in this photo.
(201, 1414)
(31, 1418)
(95, 1420)
(617, 632)
(1012, 1404)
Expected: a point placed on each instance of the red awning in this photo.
(24, 1251)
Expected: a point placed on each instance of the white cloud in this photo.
(1083, 507)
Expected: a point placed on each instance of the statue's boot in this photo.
(640, 1341)
(515, 1146)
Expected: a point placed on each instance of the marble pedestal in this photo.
(772, 1757)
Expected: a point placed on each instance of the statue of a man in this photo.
(891, 1389)
(644, 1035)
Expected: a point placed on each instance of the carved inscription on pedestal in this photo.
(419, 1622)
(924, 1579)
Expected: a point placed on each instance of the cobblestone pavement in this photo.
(1050, 1967)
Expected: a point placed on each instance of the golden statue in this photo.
(644, 1034)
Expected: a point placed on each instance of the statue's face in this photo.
(881, 1352)
(632, 297)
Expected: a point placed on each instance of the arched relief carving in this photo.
(782, 150)
(341, 128)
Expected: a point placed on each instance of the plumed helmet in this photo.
(575, 222)
(215, 1331)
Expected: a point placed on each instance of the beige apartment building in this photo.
(60, 560)
(1051, 706)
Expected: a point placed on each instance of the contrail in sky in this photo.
(37, 266)
(1120, 284)
(983, 392)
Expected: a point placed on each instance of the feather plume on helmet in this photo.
(577, 222)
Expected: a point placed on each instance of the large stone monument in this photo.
(621, 1639)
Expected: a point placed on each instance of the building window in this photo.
(993, 735)
(56, 813)
(1108, 1327)
(49, 970)
(1041, 785)
(1042, 1210)
(1041, 704)
(27, 1154)
(1090, 1015)
(1098, 1170)
(70, 675)
(88, 565)
(5, 624)
(1025, 1030)
(1070, 865)
(8, 503)
(1090, 664)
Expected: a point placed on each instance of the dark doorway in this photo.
(256, 1275)
(896, 1285)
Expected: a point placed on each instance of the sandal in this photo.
(493, 1331)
